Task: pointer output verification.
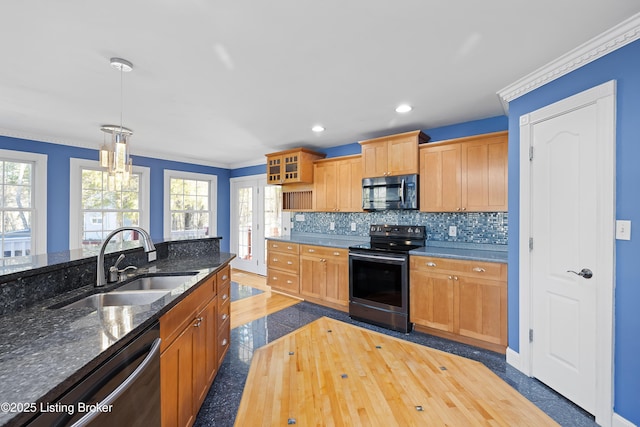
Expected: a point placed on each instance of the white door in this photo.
(570, 225)
(256, 214)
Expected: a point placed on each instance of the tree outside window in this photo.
(16, 208)
(189, 205)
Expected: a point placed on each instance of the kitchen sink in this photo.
(148, 283)
(115, 298)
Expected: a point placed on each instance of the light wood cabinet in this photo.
(191, 350)
(465, 175)
(324, 274)
(460, 300)
(392, 155)
(283, 266)
(291, 166)
(337, 185)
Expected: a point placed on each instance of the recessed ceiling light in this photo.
(403, 108)
(318, 128)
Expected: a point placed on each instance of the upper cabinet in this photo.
(392, 155)
(337, 185)
(467, 174)
(291, 166)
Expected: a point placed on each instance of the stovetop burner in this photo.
(393, 238)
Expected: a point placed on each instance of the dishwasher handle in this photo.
(90, 416)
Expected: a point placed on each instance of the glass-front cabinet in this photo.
(291, 166)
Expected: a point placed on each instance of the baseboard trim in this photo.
(513, 359)
(618, 421)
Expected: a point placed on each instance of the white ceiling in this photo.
(224, 82)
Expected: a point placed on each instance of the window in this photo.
(99, 207)
(23, 201)
(190, 204)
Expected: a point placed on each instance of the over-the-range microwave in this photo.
(390, 192)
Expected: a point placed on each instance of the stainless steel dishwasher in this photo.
(124, 390)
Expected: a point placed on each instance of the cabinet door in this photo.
(374, 159)
(313, 276)
(484, 169)
(440, 178)
(176, 381)
(205, 361)
(482, 309)
(337, 279)
(349, 185)
(275, 169)
(432, 300)
(402, 156)
(325, 186)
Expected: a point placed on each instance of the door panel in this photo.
(563, 225)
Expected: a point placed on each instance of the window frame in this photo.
(39, 196)
(213, 198)
(75, 197)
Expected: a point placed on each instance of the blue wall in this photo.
(621, 65)
(58, 165)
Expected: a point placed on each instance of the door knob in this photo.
(585, 272)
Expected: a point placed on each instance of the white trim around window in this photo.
(39, 197)
(213, 198)
(75, 197)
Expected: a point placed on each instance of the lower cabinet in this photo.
(195, 338)
(460, 300)
(319, 274)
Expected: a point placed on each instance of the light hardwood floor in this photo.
(335, 374)
(254, 307)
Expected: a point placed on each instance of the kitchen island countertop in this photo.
(44, 351)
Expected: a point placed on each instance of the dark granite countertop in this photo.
(334, 241)
(464, 251)
(44, 350)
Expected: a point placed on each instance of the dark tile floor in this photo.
(221, 404)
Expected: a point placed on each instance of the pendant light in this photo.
(114, 155)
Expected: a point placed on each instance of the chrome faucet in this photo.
(147, 244)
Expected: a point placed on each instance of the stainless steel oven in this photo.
(379, 276)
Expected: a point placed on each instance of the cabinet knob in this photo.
(224, 297)
(224, 316)
(464, 209)
(479, 269)
(274, 278)
(289, 247)
(225, 277)
(450, 277)
(457, 209)
(224, 341)
(289, 282)
(431, 264)
(290, 262)
(455, 277)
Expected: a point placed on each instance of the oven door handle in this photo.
(377, 257)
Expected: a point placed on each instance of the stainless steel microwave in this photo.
(390, 192)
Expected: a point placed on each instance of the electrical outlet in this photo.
(453, 231)
(299, 217)
(623, 229)
(353, 226)
(332, 226)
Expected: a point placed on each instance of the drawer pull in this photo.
(431, 264)
(224, 341)
(274, 278)
(197, 322)
(311, 250)
(290, 262)
(336, 253)
(275, 260)
(274, 245)
(289, 282)
(289, 247)
(479, 269)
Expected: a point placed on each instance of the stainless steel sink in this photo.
(115, 298)
(156, 282)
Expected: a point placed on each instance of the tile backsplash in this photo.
(472, 227)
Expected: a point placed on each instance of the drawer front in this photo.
(283, 261)
(480, 269)
(324, 251)
(284, 281)
(224, 334)
(224, 276)
(224, 295)
(224, 313)
(175, 320)
(285, 247)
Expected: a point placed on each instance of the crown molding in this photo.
(622, 34)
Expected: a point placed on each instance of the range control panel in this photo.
(398, 231)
